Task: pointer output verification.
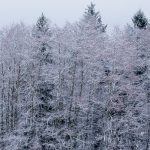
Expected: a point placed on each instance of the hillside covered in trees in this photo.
(75, 87)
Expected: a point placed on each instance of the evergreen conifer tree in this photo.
(139, 20)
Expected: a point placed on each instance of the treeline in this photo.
(76, 87)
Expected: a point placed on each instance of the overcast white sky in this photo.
(113, 12)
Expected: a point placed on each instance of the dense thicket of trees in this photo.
(76, 87)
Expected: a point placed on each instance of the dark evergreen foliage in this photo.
(139, 20)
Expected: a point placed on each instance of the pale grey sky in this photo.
(113, 12)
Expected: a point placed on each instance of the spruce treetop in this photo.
(42, 24)
(92, 13)
(139, 20)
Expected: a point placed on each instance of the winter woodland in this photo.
(75, 87)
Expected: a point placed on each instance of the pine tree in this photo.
(42, 24)
(139, 20)
(42, 86)
(92, 14)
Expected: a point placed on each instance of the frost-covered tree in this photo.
(142, 71)
(41, 86)
(92, 15)
(86, 63)
(15, 43)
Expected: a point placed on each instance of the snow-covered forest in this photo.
(75, 87)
